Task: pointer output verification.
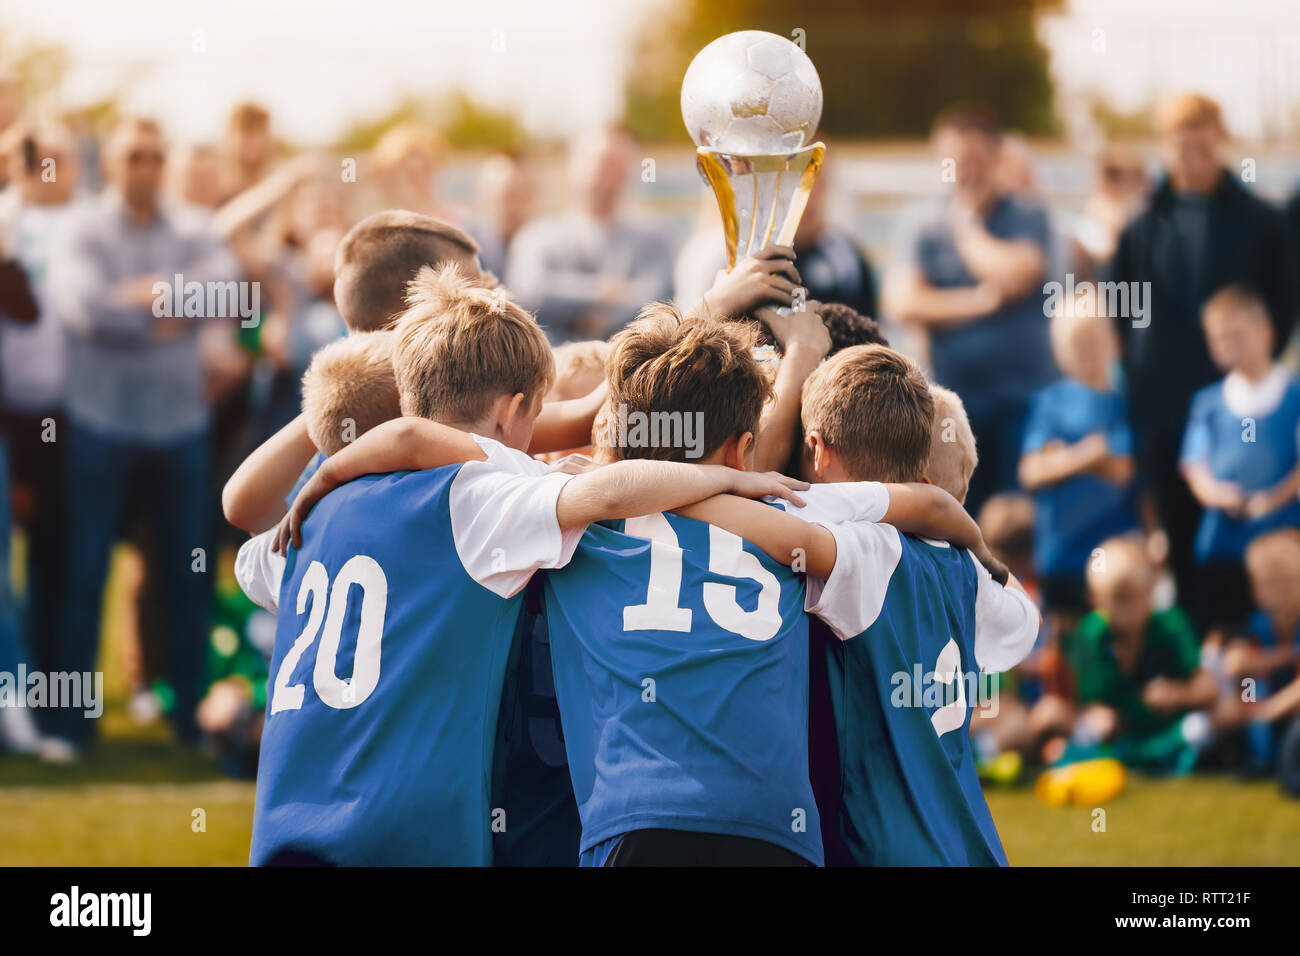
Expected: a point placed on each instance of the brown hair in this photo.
(849, 327)
(349, 388)
(460, 346)
(669, 362)
(382, 253)
(873, 408)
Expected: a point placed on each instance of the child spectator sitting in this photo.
(1077, 461)
(1240, 454)
(1137, 670)
(1034, 715)
(1262, 671)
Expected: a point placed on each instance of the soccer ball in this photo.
(752, 93)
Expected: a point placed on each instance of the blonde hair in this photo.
(873, 408)
(579, 367)
(952, 444)
(349, 388)
(406, 139)
(1233, 300)
(1279, 548)
(460, 346)
(669, 362)
(1121, 559)
(1188, 109)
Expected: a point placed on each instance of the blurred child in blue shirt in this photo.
(1260, 672)
(1241, 452)
(1077, 461)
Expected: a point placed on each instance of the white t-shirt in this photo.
(867, 555)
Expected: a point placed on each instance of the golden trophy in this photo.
(751, 101)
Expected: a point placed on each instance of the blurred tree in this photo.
(465, 122)
(886, 66)
(1117, 124)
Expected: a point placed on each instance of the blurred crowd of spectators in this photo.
(1119, 364)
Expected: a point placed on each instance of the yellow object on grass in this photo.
(1087, 783)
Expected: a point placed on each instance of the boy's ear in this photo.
(819, 453)
(510, 413)
(739, 452)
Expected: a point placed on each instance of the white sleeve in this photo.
(259, 571)
(850, 600)
(1006, 623)
(840, 502)
(503, 519)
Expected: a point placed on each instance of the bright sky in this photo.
(321, 64)
(1245, 53)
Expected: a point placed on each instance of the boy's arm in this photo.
(564, 425)
(253, 499)
(1171, 695)
(804, 342)
(781, 535)
(919, 509)
(1057, 462)
(1254, 659)
(1212, 493)
(1280, 495)
(621, 490)
(403, 444)
(627, 489)
(1280, 703)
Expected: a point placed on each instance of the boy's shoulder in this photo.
(1292, 390)
(1208, 395)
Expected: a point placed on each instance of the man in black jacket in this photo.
(1201, 230)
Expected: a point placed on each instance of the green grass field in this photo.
(134, 802)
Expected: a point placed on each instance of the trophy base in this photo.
(761, 198)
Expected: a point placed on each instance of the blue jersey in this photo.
(681, 670)
(531, 776)
(1074, 516)
(917, 622)
(1249, 436)
(395, 622)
